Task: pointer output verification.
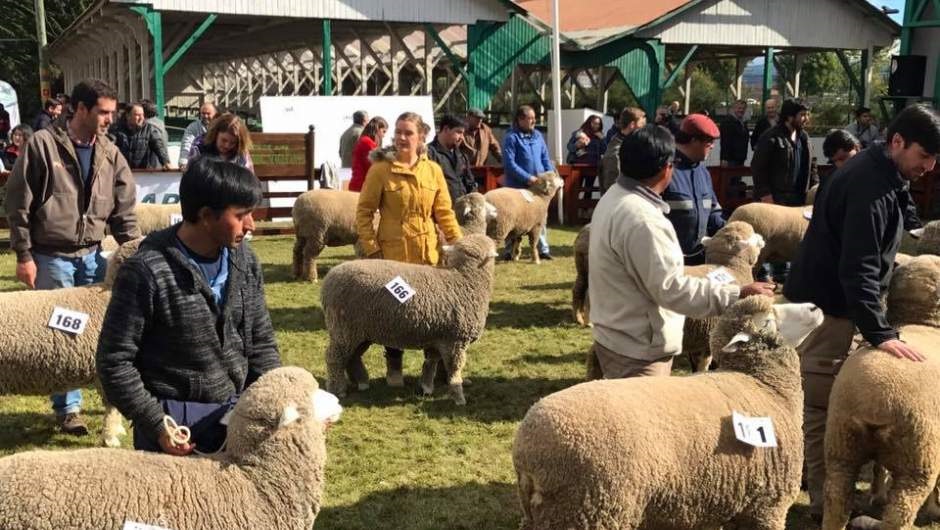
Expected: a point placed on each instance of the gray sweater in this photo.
(164, 337)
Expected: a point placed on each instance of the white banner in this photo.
(158, 187)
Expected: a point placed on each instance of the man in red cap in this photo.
(693, 207)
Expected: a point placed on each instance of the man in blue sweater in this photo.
(693, 207)
(525, 155)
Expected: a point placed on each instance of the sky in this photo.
(896, 4)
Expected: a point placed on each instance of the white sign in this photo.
(758, 432)
(721, 276)
(176, 218)
(132, 525)
(527, 195)
(69, 321)
(808, 214)
(400, 289)
(158, 187)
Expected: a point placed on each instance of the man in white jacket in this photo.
(639, 294)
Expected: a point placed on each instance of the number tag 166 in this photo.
(400, 289)
(69, 321)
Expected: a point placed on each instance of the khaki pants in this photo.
(616, 366)
(821, 356)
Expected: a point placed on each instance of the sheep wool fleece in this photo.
(269, 478)
(590, 457)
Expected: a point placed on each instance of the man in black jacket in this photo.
(445, 150)
(845, 261)
(187, 329)
(141, 142)
(766, 122)
(734, 136)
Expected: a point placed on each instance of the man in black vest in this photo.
(445, 150)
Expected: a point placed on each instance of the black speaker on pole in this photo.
(907, 75)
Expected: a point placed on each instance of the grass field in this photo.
(396, 461)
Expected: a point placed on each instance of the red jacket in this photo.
(361, 162)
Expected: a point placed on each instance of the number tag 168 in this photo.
(400, 289)
(758, 432)
(69, 321)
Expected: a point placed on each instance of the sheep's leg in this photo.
(111, 428)
(534, 244)
(879, 485)
(579, 307)
(516, 248)
(312, 250)
(298, 256)
(356, 369)
(704, 362)
(838, 491)
(337, 357)
(770, 518)
(931, 509)
(429, 371)
(454, 360)
(908, 493)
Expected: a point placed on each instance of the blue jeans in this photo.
(206, 433)
(542, 244)
(53, 272)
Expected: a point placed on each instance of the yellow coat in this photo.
(409, 201)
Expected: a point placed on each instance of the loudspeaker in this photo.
(907, 75)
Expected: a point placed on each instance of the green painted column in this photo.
(326, 87)
(154, 22)
(768, 82)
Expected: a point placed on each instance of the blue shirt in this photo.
(85, 154)
(694, 209)
(525, 155)
(215, 270)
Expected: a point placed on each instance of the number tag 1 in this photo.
(758, 432)
(721, 276)
(400, 289)
(69, 321)
(176, 218)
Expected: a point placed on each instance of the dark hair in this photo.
(839, 139)
(150, 110)
(212, 183)
(449, 121)
(630, 115)
(89, 91)
(522, 111)
(372, 128)
(586, 126)
(51, 104)
(359, 117)
(790, 108)
(862, 110)
(25, 130)
(917, 123)
(646, 152)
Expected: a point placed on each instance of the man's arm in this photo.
(158, 146)
(513, 172)
(715, 219)
(123, 220)
(495, 148)
(759, 168)
(186, 144)
(122, 333)
(726, 132)
(263, 352)
(28, 173)
(543, 148)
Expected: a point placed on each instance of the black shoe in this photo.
(545, 256)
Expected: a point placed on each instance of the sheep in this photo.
(522, 212)
(929, 241)
(473, 213)
(782, 228)
(887, 409)
(270, 476)
(580, 303)
(661, 452)
(322, 218)
(153, 217)
(735, 248)
(446, 314)
(37, 359)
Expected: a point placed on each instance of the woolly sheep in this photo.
(446, 314)
(660, 452)
(782, 228)
(521, 212)
(322, 218)
(888, 409)
(929, 241)
(734, 248)
(153, 217)
(37, 359)
(473, 213)
(580, 303)
(270, 476)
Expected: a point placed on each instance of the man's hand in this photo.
(531, 180)
(172, 448)
(768, 199)
(26, 273)
(901, 350)
(758, 288)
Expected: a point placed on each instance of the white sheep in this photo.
(322, 218)
(38, 359)
(580, 301)
(153, 217)
(446, 314)
(888, 409)
(521, 212)
(473, 213)
(782, 228)
(271, 475)
(661, 452)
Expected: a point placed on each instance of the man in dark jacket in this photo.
(766, 122)
(734, 136)
(445, 150)
(631, 119)
(783, 167)
(693, 207)
(187, 329)
(141, 142)
(845, 261)
(51, 110)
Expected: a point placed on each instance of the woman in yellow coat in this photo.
(410, 194)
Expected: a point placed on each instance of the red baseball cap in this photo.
(699, 125)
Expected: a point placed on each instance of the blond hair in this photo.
(229, 123)
(423, 128)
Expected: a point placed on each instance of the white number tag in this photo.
(721, 276)
(69, 321)
(132, 525)
(527, 195)
(176, 218)
(758, 432)
(808, 214)
(400, 289)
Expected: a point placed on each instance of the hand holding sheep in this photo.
(26, 273)
(758, 288)
(899, 349)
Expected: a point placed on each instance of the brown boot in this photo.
(72, 424)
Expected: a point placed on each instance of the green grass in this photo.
(397, 461)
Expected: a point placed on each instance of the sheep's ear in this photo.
(740, 338)
(447, 249)
(705, 240)
(106, 254)
(493, 253)
(288, 415)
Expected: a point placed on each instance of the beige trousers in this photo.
(821, 356)
(616, 366)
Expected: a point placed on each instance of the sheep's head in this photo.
(756, 320)
(736, 238)
(472, 209)
(117, 258)
(283, 403)
(474, 250)
(929, 241)
(914, 294)
(546, 184)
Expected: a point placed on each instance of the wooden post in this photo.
(311, 166)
